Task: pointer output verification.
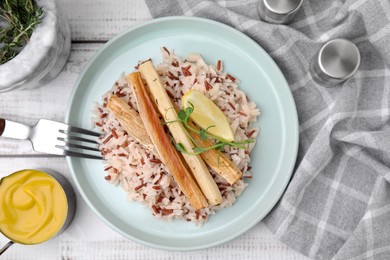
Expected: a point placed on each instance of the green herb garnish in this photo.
(184, 119)
(18, 19)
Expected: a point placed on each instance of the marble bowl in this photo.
(45, 54)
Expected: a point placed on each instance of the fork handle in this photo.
(14, 130)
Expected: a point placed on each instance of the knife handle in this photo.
(14, 130)
(2, 126)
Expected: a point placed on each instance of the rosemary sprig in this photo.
(18, 19)
(184, 118)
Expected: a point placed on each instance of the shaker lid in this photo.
(339, 59)
(282, 6)
(279, 11)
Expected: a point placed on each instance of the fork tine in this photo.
(69, 146)
(76, 138)
(82, 131)
(68, 152)
(81, 155)
(72, 145)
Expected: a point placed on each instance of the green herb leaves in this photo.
(180, 147)
(184, 115)
(203, 134)
(18, 19)
(184, 120)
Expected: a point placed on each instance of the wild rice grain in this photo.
(160, 198)
(155, 161)
(113, 132)
(251, 133)
(108, 139)
(167, 211)
(219, 63)
(207, 85)
(106, 169)
(231, 105)
(231, 77)
(156, 209)
(140, 186)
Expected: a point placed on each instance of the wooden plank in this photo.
(10, 165)
(92, 20)
(49, 101)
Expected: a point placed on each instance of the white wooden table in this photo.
(93, 22)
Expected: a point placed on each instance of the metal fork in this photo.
(54, 138)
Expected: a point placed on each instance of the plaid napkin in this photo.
(337, 203)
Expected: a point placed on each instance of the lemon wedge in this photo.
(206, 114)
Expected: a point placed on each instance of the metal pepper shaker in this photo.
(335, 62)
(278, 11)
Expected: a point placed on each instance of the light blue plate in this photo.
(273, 157)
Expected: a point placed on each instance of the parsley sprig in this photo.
(18, 19)
(184, 120)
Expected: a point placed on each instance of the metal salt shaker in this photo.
(278, 11)
(335, 62)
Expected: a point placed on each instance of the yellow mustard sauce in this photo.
(33, 207)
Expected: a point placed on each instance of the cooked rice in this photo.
(142, 175)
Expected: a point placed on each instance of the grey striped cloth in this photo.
(337, 203)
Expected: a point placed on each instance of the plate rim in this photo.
(295, 133)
